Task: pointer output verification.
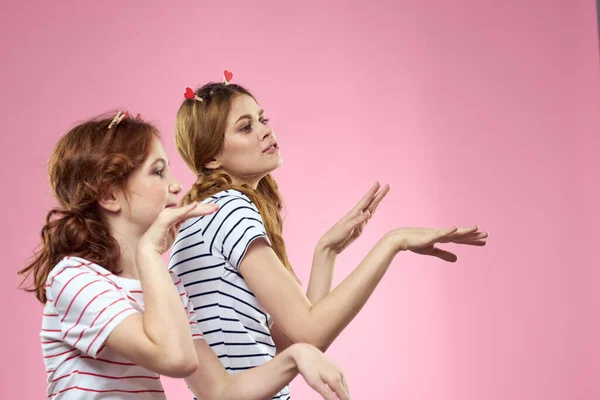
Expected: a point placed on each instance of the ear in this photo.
(215, 163)
(111, 201)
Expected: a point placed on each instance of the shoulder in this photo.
(70, 266)
(235, 212)
(228, 201)
(233, 206)
(230, 196)
(74, 270)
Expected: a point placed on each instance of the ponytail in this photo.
(73, 232)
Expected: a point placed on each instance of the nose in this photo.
(175, 187)
(268, 132)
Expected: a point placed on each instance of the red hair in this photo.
(88, 162)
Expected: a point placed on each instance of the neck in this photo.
(128, 239)
(249, 180)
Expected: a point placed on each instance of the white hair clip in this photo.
(117, 119)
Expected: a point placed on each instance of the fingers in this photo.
(345, 386)
(476, 235)
(469, 238)
(364, 202)
(359, 219)
(436, 252)
(176, 216)
(372, 206)
(444, 255)
(191, 210)
(467, 231)
(202, 209)
(471, 242)
(477, 243)
(337, 384)
(433, 236)
(170, 216)
(320, 387)
(443, 234)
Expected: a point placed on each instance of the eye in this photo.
(159, 172)
(246, 128)
(265, 121)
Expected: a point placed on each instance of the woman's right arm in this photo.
(321, 323)
(211, 382)
(159, 339)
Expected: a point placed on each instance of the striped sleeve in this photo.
(88, 305)
(233, 227)
(189, 307)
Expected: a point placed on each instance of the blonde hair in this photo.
(199, 137)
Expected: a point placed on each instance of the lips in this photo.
(272, 146)
(171, 205)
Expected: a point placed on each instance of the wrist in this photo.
(292, 355)
(392, 242)
(145, 252)
(323, 250)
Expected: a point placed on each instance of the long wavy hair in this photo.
(88, 162)
(200, 135)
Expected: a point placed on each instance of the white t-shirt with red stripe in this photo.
(85, 303)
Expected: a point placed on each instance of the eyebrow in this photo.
(260, 113)
(160, 160)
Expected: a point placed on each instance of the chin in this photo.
(272, 166)
(274, 169)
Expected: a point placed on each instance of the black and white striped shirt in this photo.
(206, 256)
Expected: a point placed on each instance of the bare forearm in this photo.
(165, 321)
(321, 274)
(211, 382)
(328, 318)
(318, 323)
(262, 382)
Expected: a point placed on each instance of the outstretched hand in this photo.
(424, 240)
(161, 234)
(351, 226)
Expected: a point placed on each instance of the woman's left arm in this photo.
(319, 286)
(335, 240)
(338, 238)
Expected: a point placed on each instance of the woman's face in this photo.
(250, 150)
(150, 189)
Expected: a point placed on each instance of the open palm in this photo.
(351, 226)
(424, 240)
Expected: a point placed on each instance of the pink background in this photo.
(474, 111)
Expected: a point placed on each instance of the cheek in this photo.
(236, 151)
(234, 147)
(158, 191)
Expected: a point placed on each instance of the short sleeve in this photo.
(89, 306)
(233, 227)
(189, 307)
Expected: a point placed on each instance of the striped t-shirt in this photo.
(206, 256)
(85, 303)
